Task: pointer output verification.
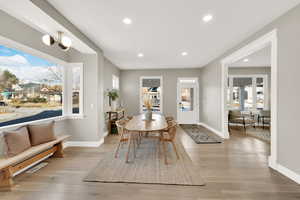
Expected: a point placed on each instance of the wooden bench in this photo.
(9, 166)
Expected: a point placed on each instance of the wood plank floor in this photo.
(234, 170)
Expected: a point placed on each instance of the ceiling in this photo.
(261, 58)
(162, 30)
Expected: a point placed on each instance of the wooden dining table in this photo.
(138, 124)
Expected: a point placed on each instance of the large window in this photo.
(247, 92)
(30, 87)
(151, 89)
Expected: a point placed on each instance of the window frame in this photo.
(253, 77)
(69, 91)
(34, 52)
(115, 80)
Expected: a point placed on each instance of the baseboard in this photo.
(284, 171)
(105, 134)
(219, 133)
(83, 143)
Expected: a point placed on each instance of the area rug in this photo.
(200, 134)
(148, 167)
(258, 132)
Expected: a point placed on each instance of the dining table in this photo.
(140, 125)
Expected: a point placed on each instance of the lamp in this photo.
(48, 40)
(64, 42)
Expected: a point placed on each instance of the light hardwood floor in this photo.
(234, 170)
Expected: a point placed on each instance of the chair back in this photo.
(169, 118)
(234, 114)
(128, 118)
(172, 129)
(265, 113)
(120, 125)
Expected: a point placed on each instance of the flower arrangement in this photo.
(148, 103)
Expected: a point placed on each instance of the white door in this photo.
(187, 101)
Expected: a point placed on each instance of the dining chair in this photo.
(124, 136)
(169, 118)
(169, 136)
(237, 117)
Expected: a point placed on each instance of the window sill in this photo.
(75, 116)
(59, 118)
(56, 119)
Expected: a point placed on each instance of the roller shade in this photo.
(151, 82)
(240, 82)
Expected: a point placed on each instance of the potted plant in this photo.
(113, 96)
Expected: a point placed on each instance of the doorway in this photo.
(270, 39)
(187, 101)
(151, 89)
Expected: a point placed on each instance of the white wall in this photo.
(130, 91)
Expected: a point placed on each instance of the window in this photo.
(151, 89)
(247, 92)
(115, 82)
(76, 83)
(30, 87)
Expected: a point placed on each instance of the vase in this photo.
(148, 115)
(114, 105)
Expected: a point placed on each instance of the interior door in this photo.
(187, 101)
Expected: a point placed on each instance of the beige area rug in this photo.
(148, 167)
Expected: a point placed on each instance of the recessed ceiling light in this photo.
(140, 55)
(246, 60)
(184, 53)
(127, 21)
(207, 18)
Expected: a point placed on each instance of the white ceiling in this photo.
(261, 58)
(162, 29)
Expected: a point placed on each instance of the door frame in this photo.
(270, 38)
(161, 92)
(197, 97)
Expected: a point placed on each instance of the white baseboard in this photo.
(219, 133)
(284, 171)
(105, 134)
(83, 143)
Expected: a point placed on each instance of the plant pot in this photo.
(114, 105)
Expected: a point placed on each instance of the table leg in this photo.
(129, 144)
(134, 145)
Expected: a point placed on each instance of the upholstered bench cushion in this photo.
(41, 133)
(5, 162)
(17, 141)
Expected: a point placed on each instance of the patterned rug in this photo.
(200, 134)
(148, 167)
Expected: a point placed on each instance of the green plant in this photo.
(113, 94)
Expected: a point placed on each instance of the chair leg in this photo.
(165, 152)
(134, 145)
(175, 149)
(129, 144)
(118, 147)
